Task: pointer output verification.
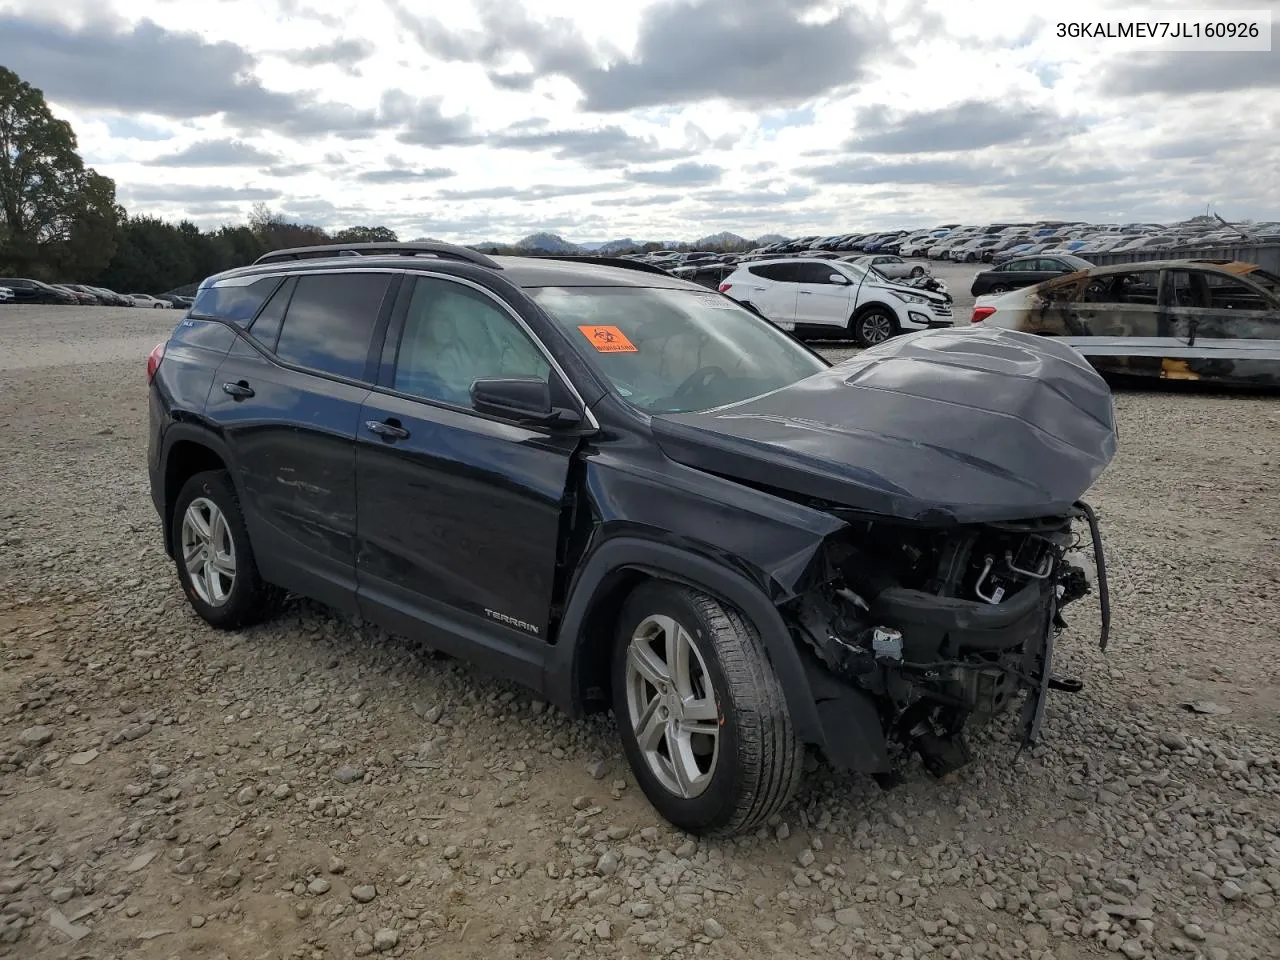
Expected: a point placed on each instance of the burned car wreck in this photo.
(938, 599)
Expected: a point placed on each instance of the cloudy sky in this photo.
(489, 119)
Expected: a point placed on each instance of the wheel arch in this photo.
(576, 675)
(188, 450)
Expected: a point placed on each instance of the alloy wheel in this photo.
(671, 706)
(208, 551)
(876, 328)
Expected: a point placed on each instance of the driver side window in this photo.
(453, 336)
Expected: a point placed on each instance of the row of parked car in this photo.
(25, 290)
(993, 242)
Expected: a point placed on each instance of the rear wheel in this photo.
(917, 271)
(215, 562)
(998, 288)
(702, 716)
(873, 326)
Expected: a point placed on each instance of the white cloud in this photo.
(490, 119)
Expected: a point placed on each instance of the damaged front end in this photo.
(944, 627)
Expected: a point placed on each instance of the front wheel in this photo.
(873, 326)
(215, 562)
(917, 271)
(998, 289)
(702, 716)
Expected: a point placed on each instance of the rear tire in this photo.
(873, 326)
(215, 561)
(917, 271)
(692, 679)
(998, 289)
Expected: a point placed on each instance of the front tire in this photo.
(873, 326)
(917, 271)
(998, 289)
(702, 716)
(215, 561)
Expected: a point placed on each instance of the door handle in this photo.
(806, 293)
(240, 390)
(387, 429)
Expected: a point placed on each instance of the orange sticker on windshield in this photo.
(608, 339)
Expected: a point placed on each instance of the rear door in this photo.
(1220, 327)
(1117, 321)
(775, 297)
(288, 400)
(459, 513)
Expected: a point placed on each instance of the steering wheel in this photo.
(701, 378)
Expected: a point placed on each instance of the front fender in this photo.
(677, 564)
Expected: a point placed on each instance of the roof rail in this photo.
(622, 262)
(443, 251)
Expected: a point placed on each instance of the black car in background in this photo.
(625, 490)
(706, 274)
(83, 297)
(108, 298)
(33, 291)
(1024, 271)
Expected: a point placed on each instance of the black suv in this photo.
(624, 490)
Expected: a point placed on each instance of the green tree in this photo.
(366, 235)
(55, 216)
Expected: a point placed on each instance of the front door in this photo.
(459, 514)
(822, 303)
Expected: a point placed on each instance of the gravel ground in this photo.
(312, 788)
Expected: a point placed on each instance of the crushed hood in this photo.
(950, 426)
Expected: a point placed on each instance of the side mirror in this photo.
(524, 399)
(839, 278)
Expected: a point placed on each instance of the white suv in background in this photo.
(831, 298)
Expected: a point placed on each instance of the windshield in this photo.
(673, 351)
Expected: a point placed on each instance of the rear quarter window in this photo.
(234, 304)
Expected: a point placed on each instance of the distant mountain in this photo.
(547, 243)
(723, 239)
(617, 246)
(771, 238)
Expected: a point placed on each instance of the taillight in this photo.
(153, 361)
(981, 313)
(725, 287)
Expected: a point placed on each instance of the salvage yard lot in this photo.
(312, 787)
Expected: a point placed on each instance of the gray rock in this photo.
(1174, 740)
(641, 909)
(35, 736)
(848, 917)
(348, 774)
(197, 921)
(1133, 950)
(806, 857)
(603, 930)
(385, 939)
(364, 893)
(712, 928)
(336, 865)
(598, 769)
(229, 877)
(246, 796)
(319, 886)
(607, 865)
(61, 894)
(1230, 890)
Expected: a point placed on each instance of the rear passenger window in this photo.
(235, 304)
(1227, 293)
(329, 323)
(266, 329)
(780, 272)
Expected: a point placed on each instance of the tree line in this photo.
(59, 220)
